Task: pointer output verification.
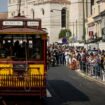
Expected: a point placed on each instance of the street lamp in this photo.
(84, 4)
(55, 10)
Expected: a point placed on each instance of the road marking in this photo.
(48, 93)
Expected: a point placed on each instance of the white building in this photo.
(51, 13)
(96, 24)
(79, 10)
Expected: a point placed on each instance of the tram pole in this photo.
(19, 11)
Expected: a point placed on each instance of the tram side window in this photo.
(21, 48)
(16, 49)
(37, 48)
(3, 51)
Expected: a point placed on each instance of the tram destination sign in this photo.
(12, 23)
(32, 23)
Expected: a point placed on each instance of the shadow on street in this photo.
(66, 92)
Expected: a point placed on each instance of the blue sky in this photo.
(3, 5)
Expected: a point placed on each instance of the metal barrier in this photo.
(93, 70)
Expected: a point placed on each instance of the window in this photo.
(63, 17)
(92, 3)
(99, 8)
(20, 47)
(43, 11)
(37, 48)
(33, 13)
(22, 12)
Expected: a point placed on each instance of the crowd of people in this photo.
(77, 58)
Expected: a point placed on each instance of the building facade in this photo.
(96, 24)
(52, 14)
(79, 11)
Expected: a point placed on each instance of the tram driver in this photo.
(3, 51)
(17, 49)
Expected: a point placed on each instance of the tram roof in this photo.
(21, 25)
(21, 31)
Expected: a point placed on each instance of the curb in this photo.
(90, 78)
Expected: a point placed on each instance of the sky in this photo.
(3, 5)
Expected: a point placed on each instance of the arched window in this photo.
(63, 17)
(92, 3)
(43, 12)
(33, 13)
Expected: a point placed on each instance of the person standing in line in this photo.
(67, 57)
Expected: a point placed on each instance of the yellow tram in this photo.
(23, 46)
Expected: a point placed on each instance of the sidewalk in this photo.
(91, 78)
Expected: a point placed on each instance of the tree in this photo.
(64, 33)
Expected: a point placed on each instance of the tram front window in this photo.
(3, 51)
(21, 47)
